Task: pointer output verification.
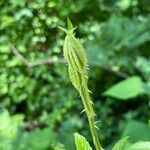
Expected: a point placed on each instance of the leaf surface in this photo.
(126, 89)
(81, 143)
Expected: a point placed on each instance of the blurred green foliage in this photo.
(126, 92)
(40, 109)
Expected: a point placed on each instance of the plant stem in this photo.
(94, 134)
(75, 55)
(85, 96)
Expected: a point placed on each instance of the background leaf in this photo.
(140, 146)
(121, 144)
(126, 89)
(137, 131)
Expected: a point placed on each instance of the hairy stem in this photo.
(76, 57)
(85, 96)
(94, 134)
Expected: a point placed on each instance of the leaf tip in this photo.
(69, 23)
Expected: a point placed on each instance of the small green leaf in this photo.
(70, 25)
(126, 89)
(142, 145)
(81, 143)
(63, 29)
(122, 144)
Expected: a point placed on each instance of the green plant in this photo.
(75, 56)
